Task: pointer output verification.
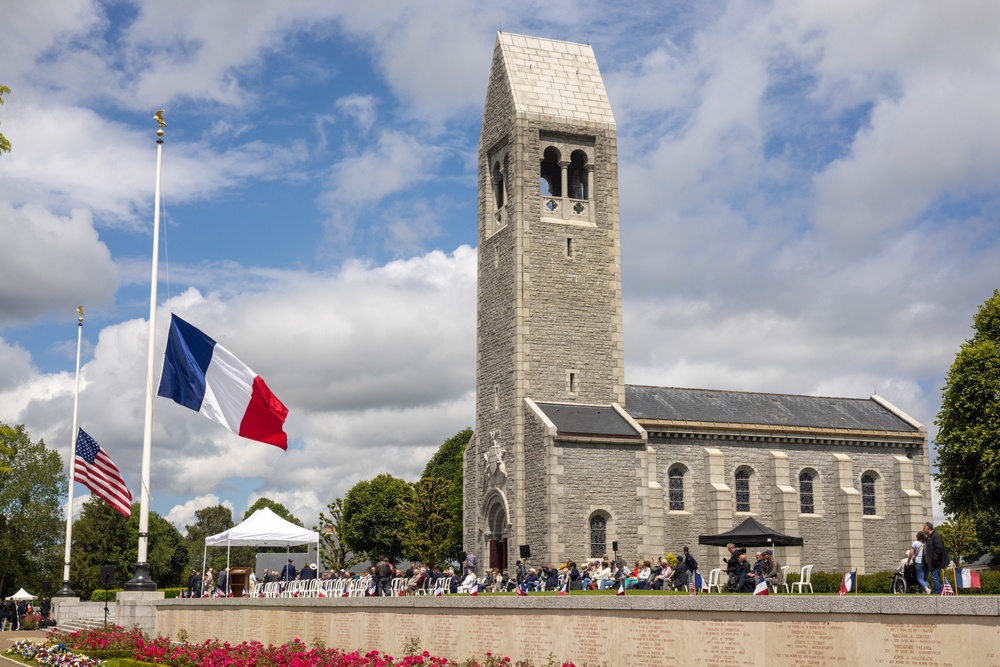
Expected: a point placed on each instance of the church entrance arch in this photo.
(498, 526)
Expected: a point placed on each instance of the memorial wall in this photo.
(716, 631)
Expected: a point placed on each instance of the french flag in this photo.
(761, 588)
(621, 587)
(967, 578)
(522, 590)
(564, 589)
(321, 593)
(475, 589)
(200, 374)
(848, 583)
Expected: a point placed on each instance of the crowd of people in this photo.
(13, 612)
(744, 577)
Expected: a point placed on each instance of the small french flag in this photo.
(621, 587)
(848, 583)
(564, 589)
(475, 589)
(761, 588)
(522, 590)
(321, 593)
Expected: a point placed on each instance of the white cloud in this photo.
(183, 516)
(60, 258)
(375, 363)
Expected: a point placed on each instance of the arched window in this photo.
(577, 175)
(499, 189)
(807, 501)
(742, 490)
(551, 174)
(598, 536)
(868, 507)
(675, 481)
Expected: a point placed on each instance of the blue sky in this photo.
(808, 205)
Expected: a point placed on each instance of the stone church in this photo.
(570, 462)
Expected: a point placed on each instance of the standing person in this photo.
(46, 608)
(732, 564)
(935, 556)
(288, 573)
(692, 566)
(383, 577)
(917, 558)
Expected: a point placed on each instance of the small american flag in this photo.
(96, 471)
(947, 589)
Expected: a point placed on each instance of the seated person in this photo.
(575, 578)
(531, 581)
(416, 582)
(467, 583)
(745, 579)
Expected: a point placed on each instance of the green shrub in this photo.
(105, 654)
(98, 595)
(877, 582)
(170, 593)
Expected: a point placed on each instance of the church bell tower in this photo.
(549, 317)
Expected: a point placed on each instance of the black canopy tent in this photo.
(751, 533)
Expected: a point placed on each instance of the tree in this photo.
(4, 144)
(428, 521)
(968, 440)
(959, 536)
(447, 463)
(372, 522)
(32, 528)
(103, 536)
(333, 550)
(275, 507)
(208, 521)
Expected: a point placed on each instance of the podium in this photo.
(239, 580)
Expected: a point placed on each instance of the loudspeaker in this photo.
(525, 551)
(461, 557)
(47, 587)
(107, 576)
(614, 545)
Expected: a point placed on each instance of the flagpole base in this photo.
(141, 581)
(65, 591)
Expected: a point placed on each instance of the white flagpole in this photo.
(66, 590)
(142, 581)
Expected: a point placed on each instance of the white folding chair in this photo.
(805, 577)
(713, 580)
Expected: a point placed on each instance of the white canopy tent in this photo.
(23, 595)
(263, 528)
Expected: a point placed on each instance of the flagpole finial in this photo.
(158, 117)
(79, 309)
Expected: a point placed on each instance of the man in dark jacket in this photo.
(935, 556)
(288, 572)
(383, 577)
(732, 564)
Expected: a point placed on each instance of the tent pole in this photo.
(204, 568)
(229, 546)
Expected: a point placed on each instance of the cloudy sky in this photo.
(809, 201)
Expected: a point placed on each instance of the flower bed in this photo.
(49, 654)
(132, 644)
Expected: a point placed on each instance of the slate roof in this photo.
(555, 78)
(588, 420)
(738, 407)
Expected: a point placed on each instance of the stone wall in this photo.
(634, 630)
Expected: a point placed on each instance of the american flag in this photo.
(96, 471)
(947, 589)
